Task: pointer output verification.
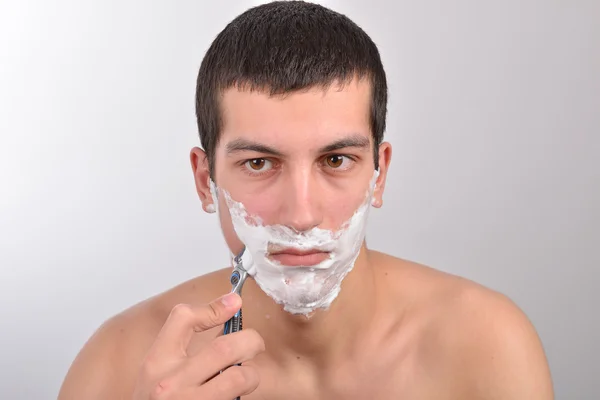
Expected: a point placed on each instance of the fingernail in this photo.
(229, 300)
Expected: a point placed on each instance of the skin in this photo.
(397, 329)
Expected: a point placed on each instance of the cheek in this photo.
(337, 209)
(264, 206)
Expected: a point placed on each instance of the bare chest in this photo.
(409, 379)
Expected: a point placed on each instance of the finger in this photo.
(184, 320)
(232, 383)
(218, 355)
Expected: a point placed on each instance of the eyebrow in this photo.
(238, 145)
(352, 140)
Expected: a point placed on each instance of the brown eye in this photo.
(258, 165)
(335, 161)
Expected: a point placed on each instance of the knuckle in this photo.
(236, 380)
(161, 390)
(214, 313)
(156, 393)
(223, 386)
(149, 368)
(255, 339)
(237, 377)
(182, 311)
(222, 347)
(253, 379)
(244, 379)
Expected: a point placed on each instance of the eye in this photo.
(338, 161)
(258, 165)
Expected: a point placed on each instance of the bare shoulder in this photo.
(469, 328)
(499, 346)
(107, 365)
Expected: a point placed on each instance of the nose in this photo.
(300, 201)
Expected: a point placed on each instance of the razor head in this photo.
(239, 274)
(244, 262)
(238, 258)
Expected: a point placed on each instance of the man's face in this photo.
(304, 160)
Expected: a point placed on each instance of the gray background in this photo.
(494, 118)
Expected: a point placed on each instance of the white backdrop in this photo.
(494, 117)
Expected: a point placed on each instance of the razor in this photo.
(237, 279)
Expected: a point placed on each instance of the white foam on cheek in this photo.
(300, 290)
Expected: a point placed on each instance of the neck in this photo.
(324, 335)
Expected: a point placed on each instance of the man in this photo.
(291, 108)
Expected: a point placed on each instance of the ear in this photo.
(201, 170)
(385, 156)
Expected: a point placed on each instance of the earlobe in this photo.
(376, 202)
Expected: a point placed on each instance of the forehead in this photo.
(308, 118)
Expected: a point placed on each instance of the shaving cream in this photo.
(299, 289)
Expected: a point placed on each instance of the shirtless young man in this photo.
(291, 108)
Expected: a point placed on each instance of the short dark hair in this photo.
(282, 47)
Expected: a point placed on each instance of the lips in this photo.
(297, 257)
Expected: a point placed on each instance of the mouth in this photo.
(296, 258)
